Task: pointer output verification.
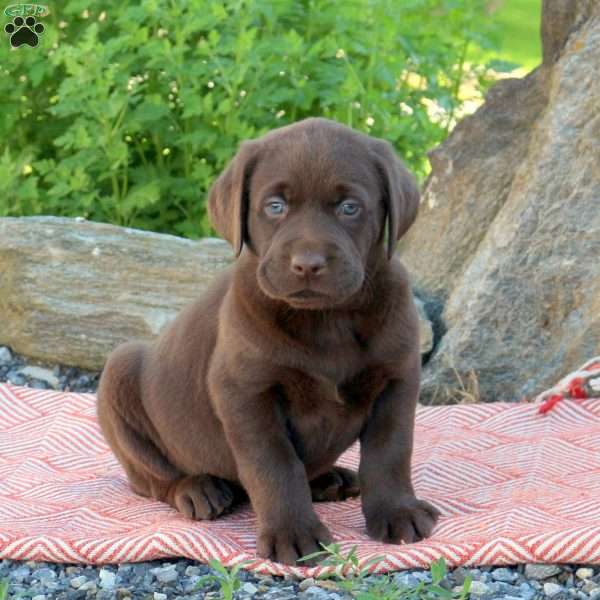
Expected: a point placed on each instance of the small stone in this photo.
(459, 575)
(584, 573)
(249, 588)
(15, 378)
(526, 590)
(408, 580)
(594, 594)
(20, 574)
(71, 570)
(191, 584)
(306, 583)
(165, 574)
(107, 578)
(540, 571)
(45, 574)
(89, 586)
(5, 355)
(551, 589)
(124, 568)
(565, 578)
(83, 381)
(160, 596)
(445, 583)
(40, 373)
(504, 574)
(192, 571)
(77, 582)
(39, 597)
(123, 594)
(478, 588)
(327, 584)
(315, 590)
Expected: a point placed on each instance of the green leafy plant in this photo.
(4, 589)
(345, 565)
(126, 113)
(357, 581)
(227, 579)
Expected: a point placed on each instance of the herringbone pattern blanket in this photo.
(513, 485)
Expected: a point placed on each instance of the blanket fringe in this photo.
(579, 385)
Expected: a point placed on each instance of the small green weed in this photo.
(354, 579)
(4, 589)
(228, 579)
(362, 586)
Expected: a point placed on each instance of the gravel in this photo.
(176, 579)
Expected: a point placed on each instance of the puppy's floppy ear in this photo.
(400, 193)
(228, 197)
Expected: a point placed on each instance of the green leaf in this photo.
(141, 196)
(4, 589)
(37, 72)
(502, 66)
(204, 580)
(438, 570)
(219, 567)
(149, 112)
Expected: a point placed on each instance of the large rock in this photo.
(72, 290)
(508, 239)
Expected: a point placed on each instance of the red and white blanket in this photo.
(514, 484)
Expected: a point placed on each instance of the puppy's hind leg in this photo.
(131, 436)
(336, 484)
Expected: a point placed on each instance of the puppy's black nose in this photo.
(306, 264)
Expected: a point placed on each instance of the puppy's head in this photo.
(313, 201)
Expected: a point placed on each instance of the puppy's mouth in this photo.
(308, 298)
(307, 294)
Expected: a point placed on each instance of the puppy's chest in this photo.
(333, 351)
(319, 421)
(322, 418)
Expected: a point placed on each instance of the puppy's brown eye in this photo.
(348, 208)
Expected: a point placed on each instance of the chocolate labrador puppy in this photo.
(306, 344)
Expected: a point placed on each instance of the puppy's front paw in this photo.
(405, 519)
(288, 543)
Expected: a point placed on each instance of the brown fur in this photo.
(259, 385)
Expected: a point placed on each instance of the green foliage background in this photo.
(126, 112)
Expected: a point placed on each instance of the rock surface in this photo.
(72, 290)
(507, 243)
